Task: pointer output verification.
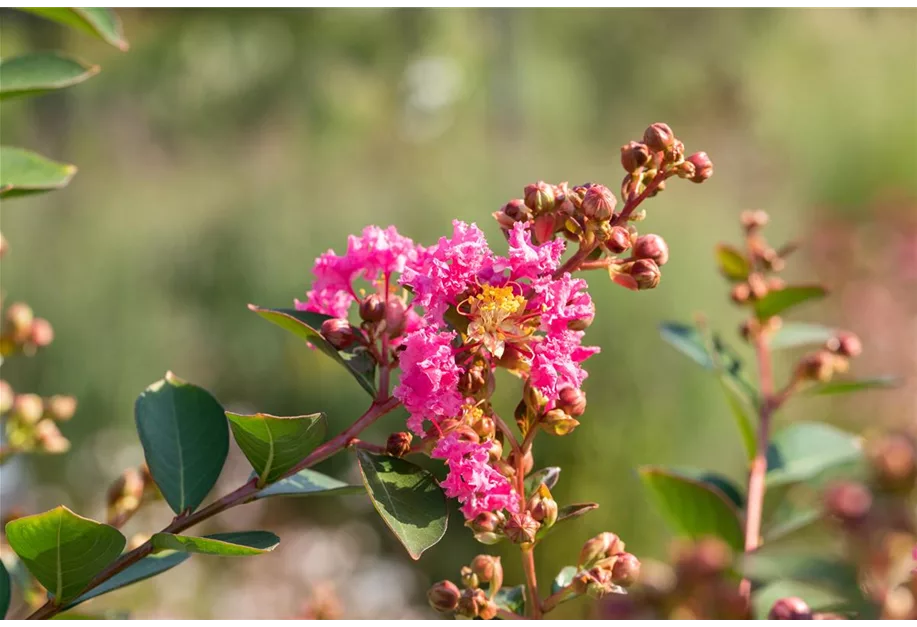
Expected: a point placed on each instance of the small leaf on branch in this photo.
(778, 301)
(41, 72)
(563, 579)
(236, 543)
(273, 444)
(856, 385)
(149, 566)
(796, 334)
(732, 263)
(102, 23)
(805, 449)
(24, 172)
(309, 483)
(511, 599)
(547, 476)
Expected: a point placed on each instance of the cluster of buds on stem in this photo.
(604, 567)
(31, 422)
(471, 601)
(129, 491)
(532, 411)
(23, 332)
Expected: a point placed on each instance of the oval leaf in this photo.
(102, 23)
(408, 499)
(805, 449)
(305, 325)
(547, 476)
(732, 263)
(693, 507)
(795, 334)
(273, 444)
(62, 550)
(41, 72)
(149, 566)
(24, 172)
(185, 440)
(688, 341)
(5, 591)
(511, 599)
(856, 385)
(228, 544)
(779, 301)
(309, 483)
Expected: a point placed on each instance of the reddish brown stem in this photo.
(533, 602)
(555, 599)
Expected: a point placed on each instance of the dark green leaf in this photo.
(795, 334)
(273, 444)
(62, 550)
(741, 412)
(724, 484)
(511, 599)
(687, 340)
(40, 72)
(305, 325)
(408, 499)
(732, 263)
(185, 440)
(547, 476)
(309, 483)
(569, 512)
(805, 449)
(563, 579)
(857, 385)
(149, 566)
(5, 591)
(102, 23)
(24, 172)
(778, 301)
(693, 507)
(227, 544)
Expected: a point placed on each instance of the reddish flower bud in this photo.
(572, 401)
(544, 227)
(398, 444)
(634, 156)
(818, 367)
(775, 284)
(544, 510)
(539, 197)
(558, 422)
(471, 602)
(339, 333)
(626, 570)
(19, 318)
(675, 154)
(28, 408)
(50, 438)
(599, 203)
(601, 546)
(4, 246)
(646, 274)
(496, 450)
(42, 333)
(485, 427)
(125, 496)
(395, 319)
(845, 344)
(372, 308)
(516, 211)
(527, 461)
(6, 397)
(652, 247)
(443, 596)
(703, 167)
(659, 137)
(487, 568)
(894, 459)
(790, 608)
(61, 408)
(521, 528)
(485, 522)
(740, 293)
(848, 500)
(618, 240)
(757, 285)
(754, 220)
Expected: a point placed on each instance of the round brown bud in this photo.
(845, 344)
(757, 284)
(749, 329)
(658, 137)
(707, 558)
(545, 511)
(675, 154)
(645, 273)
(125, 496)
(653, 247)
(398, 444)
(60, 407)
(775, 284)
(516, 211)
(487, 568)
(790, 608)
(485, 522)
(703, 166)
(443, 596)
(495, 452)
(572, 401)
(894, 458)
(473, 380)
(754, 220)
(339, 333)
(848, 500)
(634, 156)
(28, 408)
(484, 427)
(372, 308)
(471, 602)
(740, 293)
(599, 547)
(4, 246)
(395, 318)
(626, 570)
(6, 397)
(558, 422)
(539, 197)
(816, 367)
(42, 333)
(521, 528)
(618, 240)
(599, 203)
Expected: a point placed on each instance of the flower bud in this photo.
(539, 197)
(572, 401)
(544, 510)
(790, 608)
(652, 247)
(19, 318)
(848, 500)
(707, 558)
(6, 397)
(817, 367)
(372, 308)
(634, 156)
(533, 399)
(443, 596)
(485, 427)
(398, 444)
(544, 227)
(685, 170)
(599, 202)
(28, 408)
(473, 380)
(395, 318)
(775, 284)
(469, 578)
(749, 329)
(645, 273)
(618, 240)
(496, 450)
(740, 293)
(489, 611)
(757, 285)
(527, 461)
(558, 422)
(626, 570)
(894, 460)
(516, 211)
(471, 602)
(339, 333)
(703, 167)
(42, 333)
(676, 153)
(521, 528)
(487, 527)
(659, 137)
(488, 569)
(601, 546)
(50, 438)
(754, 220)
(845, 344)
(60, 407)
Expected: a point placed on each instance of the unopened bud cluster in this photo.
(128, 493)
(23, 332)
(604, 567)
(471, 601)
(31, 422)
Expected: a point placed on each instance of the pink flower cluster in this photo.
(471, 480)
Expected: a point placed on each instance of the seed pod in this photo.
(599, 203)
(539, 197)
(521, 528)
(645, 273)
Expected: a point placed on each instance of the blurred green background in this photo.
(228, 148)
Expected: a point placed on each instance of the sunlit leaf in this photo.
(236, 543)
(24, 172)
(511, 599)
(273, 444)
(308, 482)
(778, 301)
(732, 263)
(805, 449)
(547, 476)
(102, 23)
(841, 386)
(795, 334)
(41, 72)
(563, 579)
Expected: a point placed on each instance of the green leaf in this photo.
(5, 591)
(227, 544)
(569, 512)
(732, 263)
(739, 406)
(149, 566)
(274, 444)
(800, 521)
(102, 23)
(795, 334)
(511, 599)
(547, 476)
(779, 301)
(62, 550)
(408, 499)
(856, 385)
(103, 615)
(724, 484)
(24, 172)
(805, 449)
(185, 440)
(41, 72)
(305, 325)
(687, 340)
(563, 579)
(694, 507)
(309, 483)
